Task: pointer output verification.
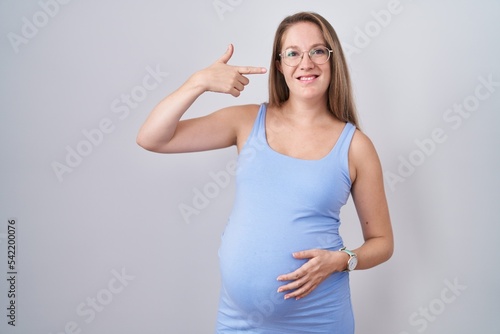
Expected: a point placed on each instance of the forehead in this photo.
(302, 34)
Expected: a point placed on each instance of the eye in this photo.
(291, 53)
(318, 51)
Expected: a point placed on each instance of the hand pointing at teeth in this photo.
(223, 78)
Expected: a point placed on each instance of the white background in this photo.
(117, 210)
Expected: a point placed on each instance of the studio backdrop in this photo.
(98, 235)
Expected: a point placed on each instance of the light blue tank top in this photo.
(283, 205)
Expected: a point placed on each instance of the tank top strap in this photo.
(258, 132)
(345, 138)
(342, 149)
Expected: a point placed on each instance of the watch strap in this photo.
(351, 255)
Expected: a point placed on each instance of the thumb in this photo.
(227, 55)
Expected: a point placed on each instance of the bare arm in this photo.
(371, 204)
(163, 132)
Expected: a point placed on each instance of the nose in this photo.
(305, 61)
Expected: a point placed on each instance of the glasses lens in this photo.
(319, 55)
(291, 57)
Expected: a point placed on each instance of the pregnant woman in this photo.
(283, 264)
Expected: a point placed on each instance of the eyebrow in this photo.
(312, 46)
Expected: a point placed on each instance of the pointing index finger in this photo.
(251, 70)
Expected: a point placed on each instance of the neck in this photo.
(305, 112)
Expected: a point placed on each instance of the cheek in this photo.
(328, 78)
(287, 71)
(288, 74)
(327, 75)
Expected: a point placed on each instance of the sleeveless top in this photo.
(283, 205)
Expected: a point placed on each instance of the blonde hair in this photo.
(340, 100)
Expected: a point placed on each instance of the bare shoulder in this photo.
(243, 118)
(363, 156)
(361, 144)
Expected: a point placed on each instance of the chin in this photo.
(310, 96)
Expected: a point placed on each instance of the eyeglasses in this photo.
(319, 55)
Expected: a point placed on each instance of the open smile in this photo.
(307, 78)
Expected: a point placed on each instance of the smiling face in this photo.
(307, 80)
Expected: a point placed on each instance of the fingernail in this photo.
(286, 297)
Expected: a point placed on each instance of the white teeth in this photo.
(307, 78)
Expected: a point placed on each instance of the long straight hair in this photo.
(340, 100)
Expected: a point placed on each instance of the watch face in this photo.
(352, 263)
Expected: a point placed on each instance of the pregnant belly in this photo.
(249, 278)
(251, 261)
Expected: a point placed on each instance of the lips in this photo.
(307, 78)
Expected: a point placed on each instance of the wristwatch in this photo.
(353, 259)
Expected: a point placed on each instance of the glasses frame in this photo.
(309, 54)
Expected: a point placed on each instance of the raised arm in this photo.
(163, 132)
